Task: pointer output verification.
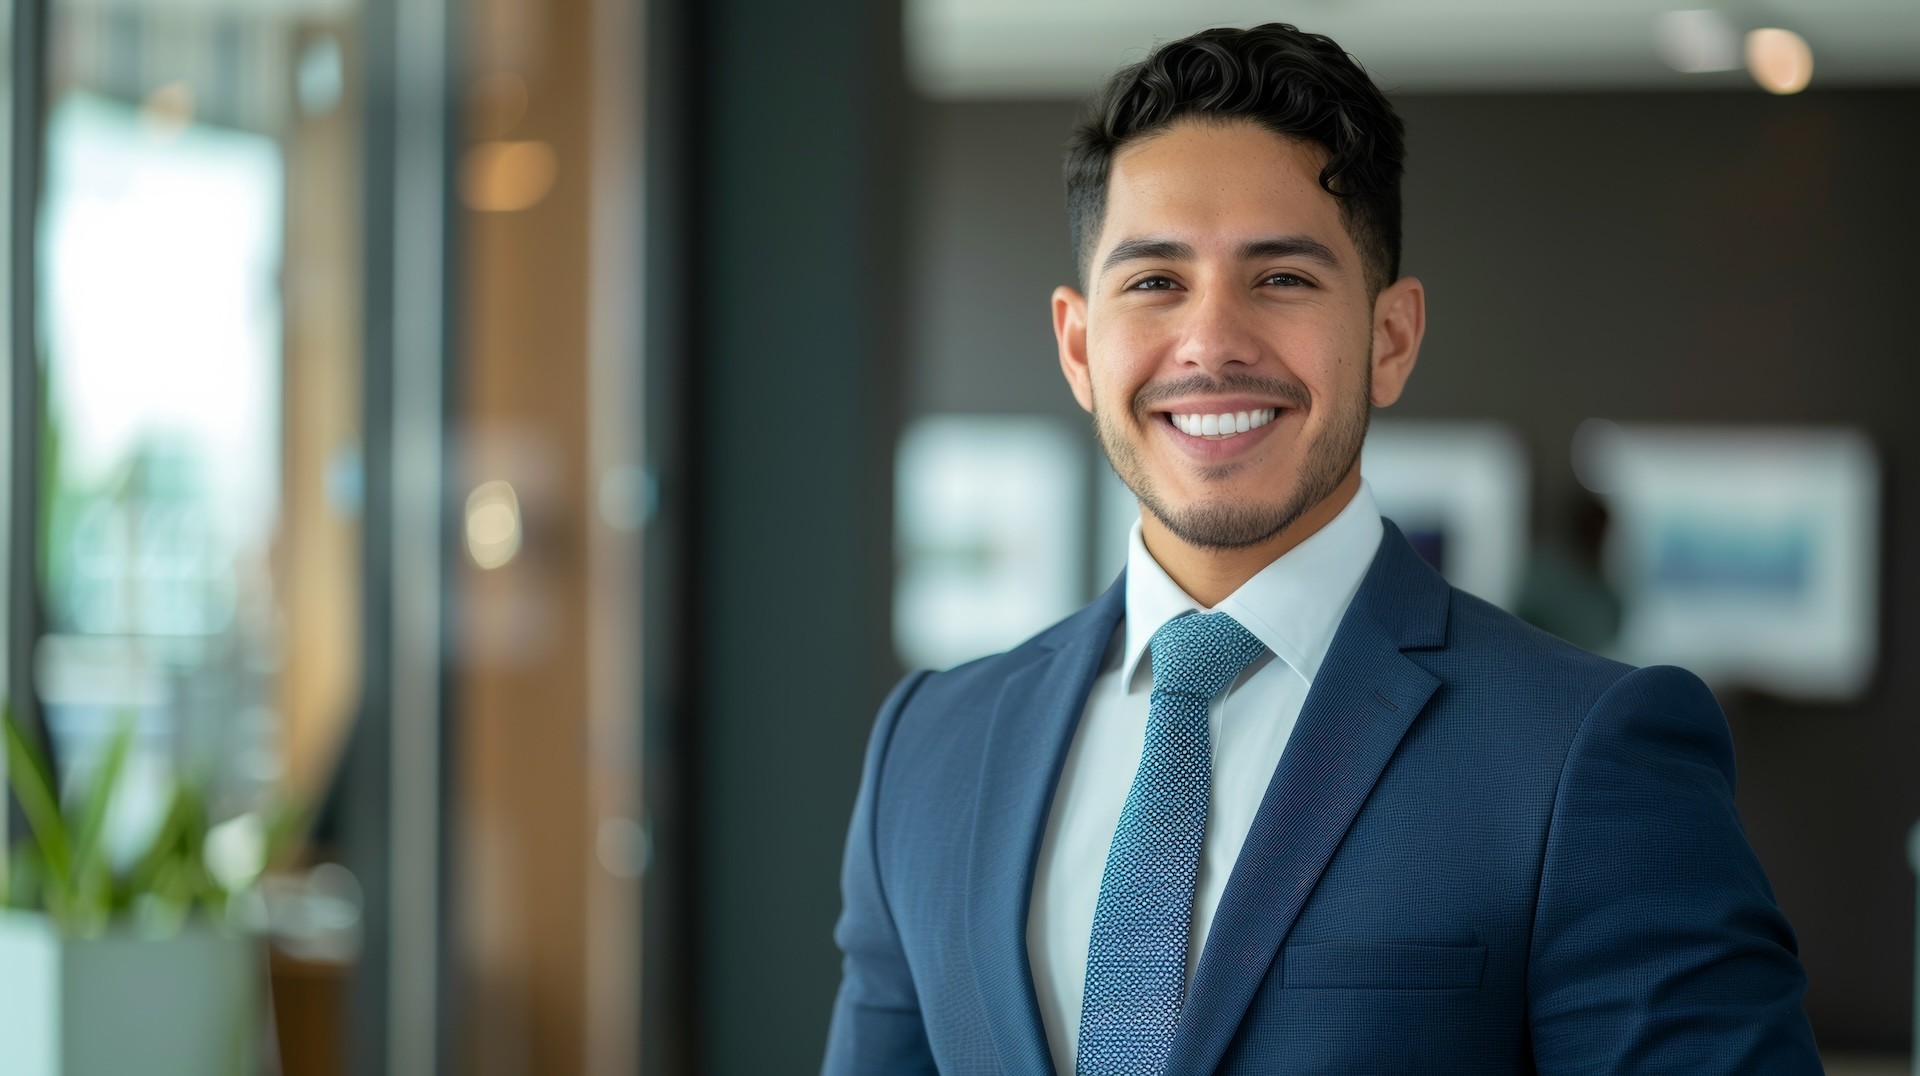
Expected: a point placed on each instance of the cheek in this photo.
(1114, 361)
(1340, 374)
(1350, 352)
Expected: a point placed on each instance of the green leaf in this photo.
(169, 900)
(167, 842)
(33, 785)
(65, 868)
(92, 891)
(287, 826)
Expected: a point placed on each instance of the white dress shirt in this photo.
(1293, 606)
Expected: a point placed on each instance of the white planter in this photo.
(190, 1005)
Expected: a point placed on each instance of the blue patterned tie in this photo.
(1137, 958)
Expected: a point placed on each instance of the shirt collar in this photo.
(1292, 605)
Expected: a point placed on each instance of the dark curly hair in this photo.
(1295, 84)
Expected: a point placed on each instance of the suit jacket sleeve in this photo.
(1657, 944)
(877, 1027)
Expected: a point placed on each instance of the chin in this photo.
(1226, 524)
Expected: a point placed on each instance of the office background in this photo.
(539, 369)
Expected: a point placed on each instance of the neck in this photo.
(1209, 575)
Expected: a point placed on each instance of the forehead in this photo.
(1220, 180)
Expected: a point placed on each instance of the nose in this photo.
(1217, 331)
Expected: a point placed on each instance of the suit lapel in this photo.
(1031, 729)
(1360, 706)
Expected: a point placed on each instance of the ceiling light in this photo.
(493, 524)
(506, 177)
(1779, 60)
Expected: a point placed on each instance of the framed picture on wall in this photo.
(1749, 555)
(1458, 490)
(989, 533)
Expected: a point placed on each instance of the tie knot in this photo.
(1200, 654)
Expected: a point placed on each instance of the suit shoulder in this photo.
(1536, 699)
(1478, 626)
(1487, 633)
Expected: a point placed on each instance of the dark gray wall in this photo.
(989, 244)
(1700, 258)
(786, 240)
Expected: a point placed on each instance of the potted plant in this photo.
(132, 961)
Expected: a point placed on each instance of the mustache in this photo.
(1291, 393)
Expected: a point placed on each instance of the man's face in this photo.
(1227, 346)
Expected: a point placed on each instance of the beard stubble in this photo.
(1223, 524)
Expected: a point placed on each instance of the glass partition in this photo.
(199, 449)
(197, 291)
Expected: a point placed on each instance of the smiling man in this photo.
(1281, 800)
(1241, 334)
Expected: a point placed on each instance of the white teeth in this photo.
(1228, 424)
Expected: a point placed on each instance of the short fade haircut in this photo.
(1297, 85)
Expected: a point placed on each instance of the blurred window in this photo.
(197, 292)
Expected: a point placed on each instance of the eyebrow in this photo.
(1283, 246)
(1290, 246)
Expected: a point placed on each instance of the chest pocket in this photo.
(1381, 965)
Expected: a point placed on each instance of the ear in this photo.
(1399, 321)
(1070, 333)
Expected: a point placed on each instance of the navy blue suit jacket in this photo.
(1483, 851)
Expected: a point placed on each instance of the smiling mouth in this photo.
(1222, 426)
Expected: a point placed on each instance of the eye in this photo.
(1152, 283)
(1286, 280)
